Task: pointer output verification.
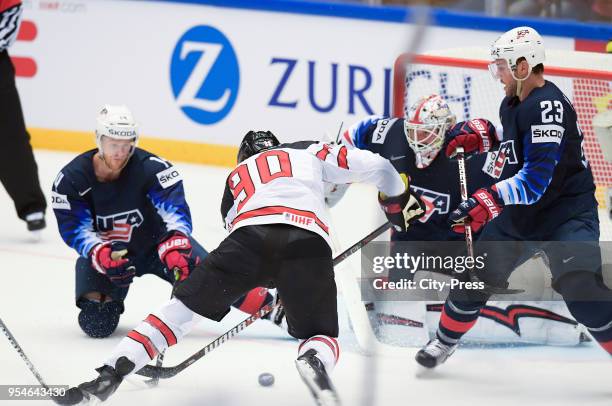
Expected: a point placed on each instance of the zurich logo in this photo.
(204, 74)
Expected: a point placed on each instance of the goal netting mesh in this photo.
(462, 78)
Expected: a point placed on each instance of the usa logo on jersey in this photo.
(119, 227)
(496, 160)
(435, 202)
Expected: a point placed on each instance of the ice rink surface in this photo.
(37, 304)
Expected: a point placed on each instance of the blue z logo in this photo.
(204, 74)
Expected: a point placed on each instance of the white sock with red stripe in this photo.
(157, 332)
(327, 348)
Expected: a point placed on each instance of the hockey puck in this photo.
(266, 379)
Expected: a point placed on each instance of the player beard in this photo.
(115, 163)
(510, 88)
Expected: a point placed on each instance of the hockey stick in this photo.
(469, 240)
(22, 354)
(25, 358)
(151, 371)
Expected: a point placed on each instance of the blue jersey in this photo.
(438, 184)
(555, 182)
(144, 203)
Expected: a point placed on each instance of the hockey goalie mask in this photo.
(116, 123)
(426, 123)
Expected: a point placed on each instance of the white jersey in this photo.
(285, 185)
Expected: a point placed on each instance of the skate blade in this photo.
(325, 397)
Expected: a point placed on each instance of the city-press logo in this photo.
(204, 74)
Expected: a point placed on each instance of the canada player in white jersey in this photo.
(273, 207)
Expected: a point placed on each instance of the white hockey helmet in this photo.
(519, 42)
(118, 123)
(426, 123)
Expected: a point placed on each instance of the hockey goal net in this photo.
(462, 78)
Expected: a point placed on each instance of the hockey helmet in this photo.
(116, 122)
(520, 42)
(254, 142)
(425, 124)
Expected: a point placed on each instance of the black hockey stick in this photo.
(25, 359)
(151, 371)
(469, 240)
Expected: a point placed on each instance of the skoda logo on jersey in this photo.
(435, 202)
(204, 74)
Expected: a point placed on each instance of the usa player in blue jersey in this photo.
(550, 200)
(416, 144)
(123, 210)
(413, 146)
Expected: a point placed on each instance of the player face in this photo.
(502, 72)
(116, 152)
(426, 143)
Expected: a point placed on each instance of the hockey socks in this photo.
(456, 320)
(589, 300)
(157, 332)
(327, 349)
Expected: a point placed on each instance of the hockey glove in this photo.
(482, 207)
(475, 136)
(108, 258)
(175, 252)
(404, 209)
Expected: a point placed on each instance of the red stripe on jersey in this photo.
(27, 31)
(271, 210)
(323, 153)
(24, 67)
(163, 329)
(331, 342)
(6, 4)
(342, 161)
(453, 325)
(145, 341)
(607, 345)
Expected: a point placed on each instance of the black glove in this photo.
(404, 209)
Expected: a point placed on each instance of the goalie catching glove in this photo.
(482, 207)
(404, 209)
